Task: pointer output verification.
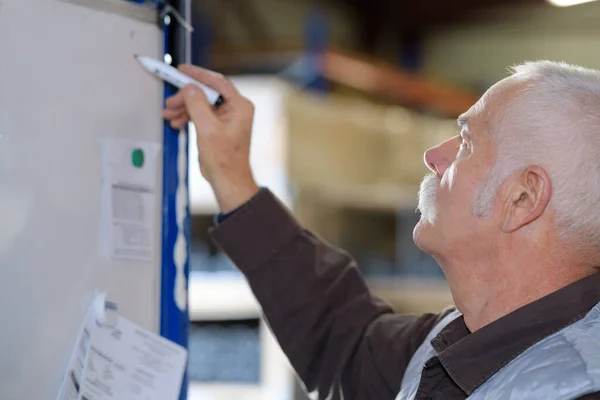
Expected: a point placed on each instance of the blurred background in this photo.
(348, 96)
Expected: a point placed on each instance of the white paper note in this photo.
(123, 361)
(129, 199)
(71, 385)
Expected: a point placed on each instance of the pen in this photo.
(178, 78)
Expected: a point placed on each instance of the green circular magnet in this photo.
(137, 158)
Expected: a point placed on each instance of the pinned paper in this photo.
(129, 199)
(121, 360)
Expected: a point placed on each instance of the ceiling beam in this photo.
(396, 85)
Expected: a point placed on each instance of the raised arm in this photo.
(343, 342)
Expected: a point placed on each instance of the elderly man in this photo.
(511, 212)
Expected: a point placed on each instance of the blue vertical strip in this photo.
(316, 43)
(174, 323)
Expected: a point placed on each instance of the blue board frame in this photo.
(174, 313)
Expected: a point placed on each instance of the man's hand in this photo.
(223, 135)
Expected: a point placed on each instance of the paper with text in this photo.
(71, 385)
(123, 361)
(129, 199)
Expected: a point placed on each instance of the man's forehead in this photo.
(490, 99)
(467, 117)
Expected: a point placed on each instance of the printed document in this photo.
(129, 199)
(122, 361)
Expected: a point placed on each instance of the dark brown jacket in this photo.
(345, 343)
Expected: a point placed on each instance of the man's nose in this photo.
(439, 158)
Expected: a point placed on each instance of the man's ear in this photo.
(526, 198)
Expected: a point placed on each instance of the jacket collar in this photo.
(472, 358)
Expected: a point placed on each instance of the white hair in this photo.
(553, 122)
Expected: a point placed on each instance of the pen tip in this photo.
(135, 55)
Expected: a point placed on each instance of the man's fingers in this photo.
(213, 80)
(180, 122)
(175, 101)
(197, 106)
(175, 113)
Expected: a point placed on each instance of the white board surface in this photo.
(68, 79)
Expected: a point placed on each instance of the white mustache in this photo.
(427, 196)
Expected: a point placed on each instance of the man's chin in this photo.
(422, 234)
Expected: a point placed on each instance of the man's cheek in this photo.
(449, 177)
(443, 198)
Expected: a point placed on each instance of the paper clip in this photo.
(106, 311)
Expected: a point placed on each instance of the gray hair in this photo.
(553, 122)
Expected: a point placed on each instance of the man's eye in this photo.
(464, 147)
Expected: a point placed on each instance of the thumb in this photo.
(197, 106)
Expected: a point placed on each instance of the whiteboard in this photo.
(67, 79)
